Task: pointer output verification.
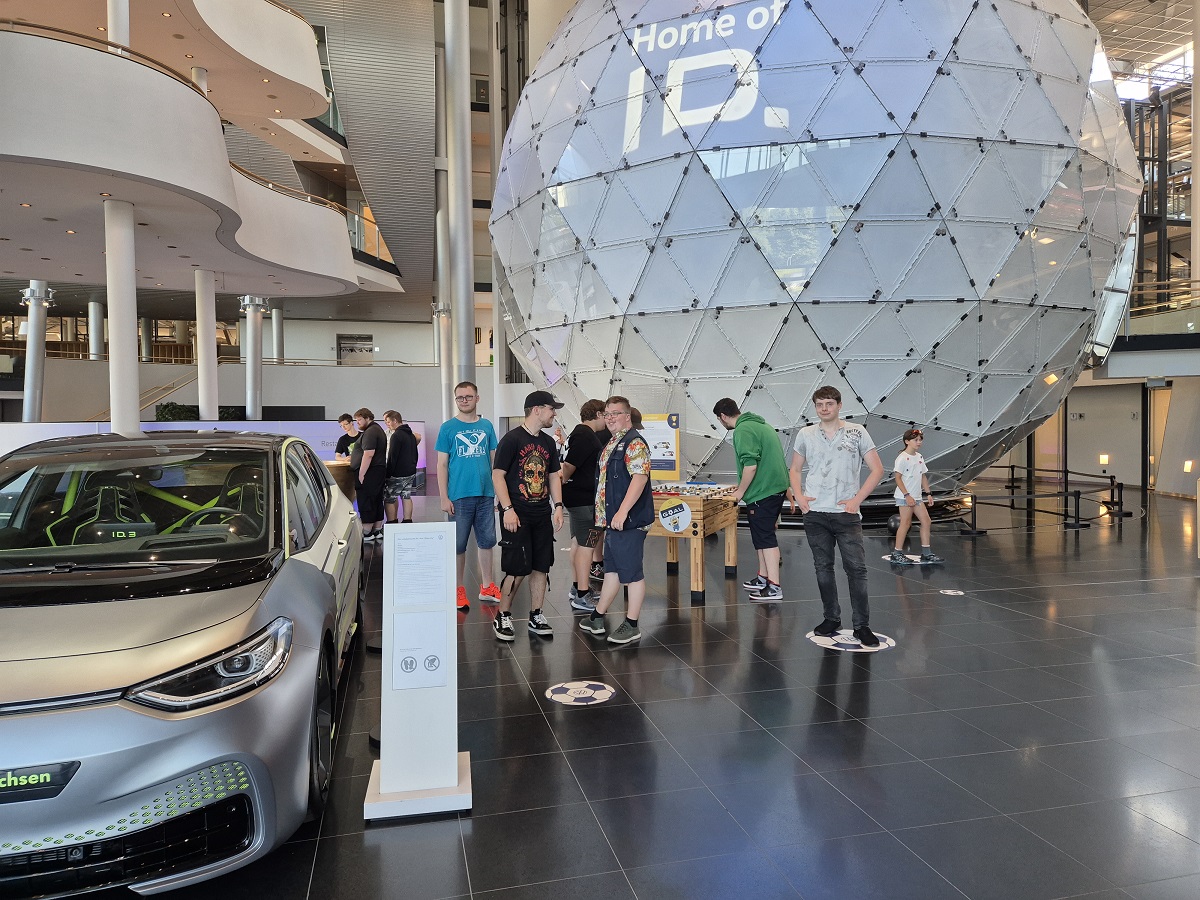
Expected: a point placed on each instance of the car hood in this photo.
(77, 648)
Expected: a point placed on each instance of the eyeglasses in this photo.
(466, 399)
(614, 415)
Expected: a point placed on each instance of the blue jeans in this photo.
(478, 513)
(823, 530)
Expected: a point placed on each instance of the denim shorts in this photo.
(623, 553)
(478, 513)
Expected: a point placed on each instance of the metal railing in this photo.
(1150, 298)
(1113, 506)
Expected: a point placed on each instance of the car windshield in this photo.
(111, 507)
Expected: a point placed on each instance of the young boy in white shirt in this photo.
(912, 496)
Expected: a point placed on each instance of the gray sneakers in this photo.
(899, 558)
(768, 593)
(625, 633)
(591, 625)
(583, 602)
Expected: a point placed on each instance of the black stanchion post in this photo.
(973, 530)
(1121, 512)
(1076, 523)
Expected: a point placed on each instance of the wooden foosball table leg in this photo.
(697, 569)
(672, 556)
(731, 550)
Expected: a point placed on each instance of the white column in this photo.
(124, 392)
(182, 329)
(146, 338)
(457, 103)
(95, 329)
(118, 22)
(499, 339)
(70, 329)
(1194, 268)
(36, 298)
(443, 340)
(206, 344)
(253, 308)
(200, 78)
(277, 330)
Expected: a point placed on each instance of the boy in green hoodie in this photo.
(764, 484)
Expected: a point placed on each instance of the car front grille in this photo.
(188, 841)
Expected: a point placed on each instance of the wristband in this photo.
(504, 509)
(558, 505)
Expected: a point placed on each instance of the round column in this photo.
(95, 329)
(206, 344)
(36, 298)
(253, 308)
(124, 392)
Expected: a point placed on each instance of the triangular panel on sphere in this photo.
(874, 379)
(842, 274)
(699, 205)
(733, 341)
(846, 22)
(851, 110)
(1033, 118)
(847, 168)
(594, 343)
(900, 86)
(947, 164)
(701, 258)
(662, 286)
(666, 335)
(946, 111)
(899, 190)
(938, 274)
(960, 348)
(961, 413)
(793, 251)
(983, 249)
(798, 36)
(620, 266)
(748, 279)
(985, 39)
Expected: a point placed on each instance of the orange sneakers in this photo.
(489, 593)
(463, 603)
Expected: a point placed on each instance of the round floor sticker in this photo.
(845, 640)
(580, 693)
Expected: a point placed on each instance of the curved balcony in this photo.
(261, 57)
(97, 124)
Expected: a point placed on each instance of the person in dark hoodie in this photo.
(401, 466)
(763, 483)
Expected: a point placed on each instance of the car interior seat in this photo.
(106, 498)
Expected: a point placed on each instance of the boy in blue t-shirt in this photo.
(465, 448)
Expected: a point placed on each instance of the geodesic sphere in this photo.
(916, 201)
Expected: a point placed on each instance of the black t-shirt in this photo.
(527, 461)
(583, 452)
(343, 444)
(402, 453)
(374, 438)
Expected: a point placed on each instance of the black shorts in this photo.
(528, 549)
(762, 516)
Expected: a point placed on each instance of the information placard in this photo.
(419, 770)
(661, 431)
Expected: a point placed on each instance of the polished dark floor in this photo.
(1036, 736)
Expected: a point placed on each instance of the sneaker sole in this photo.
(464, 609)
(549, 632)
(598, 632)
(766, 599)
(613, 639)
(582, 607)
(507, 638)
(492, 600)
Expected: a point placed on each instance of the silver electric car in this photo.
(175, 610)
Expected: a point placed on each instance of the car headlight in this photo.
(216, 679)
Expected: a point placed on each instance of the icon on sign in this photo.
(432, 663)
(408, 664)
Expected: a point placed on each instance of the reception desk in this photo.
(340, 470)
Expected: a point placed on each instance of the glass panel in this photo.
(733, 341)
(983, 250)
(620, 267)
(874, 379)
(990, 92)
(899, 191)
(1033, 118)
(667, 336)
(748, 280)
(900, 87)
(850, 110)
(702, 258)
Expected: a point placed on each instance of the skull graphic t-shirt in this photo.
(527, 461)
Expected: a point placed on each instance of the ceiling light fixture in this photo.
(101, 28)
(166, 15)
(188, 56)
(266, 81)
(278, 111)
(69, 231)
(27, 205)
(105, 195)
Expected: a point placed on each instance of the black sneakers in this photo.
(596, 573)
(755, 583)
(827, 628)
(768, 593)
(539, 625)
(502, 627)
(866, 636)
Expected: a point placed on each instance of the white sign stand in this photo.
(419, 770)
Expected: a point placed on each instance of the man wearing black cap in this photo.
(528, 485)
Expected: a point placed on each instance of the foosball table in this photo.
(694, 511)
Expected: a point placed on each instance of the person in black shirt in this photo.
(579, 495)
(346, 441)
(528, 483)
(401, 466)
(368, 461)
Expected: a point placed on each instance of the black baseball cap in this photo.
(542, 398)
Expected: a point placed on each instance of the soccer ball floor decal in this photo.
(922, 203)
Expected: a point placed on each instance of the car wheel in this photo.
(320, 749)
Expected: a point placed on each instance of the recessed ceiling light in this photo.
(106, 195)
(278, 111)
(26, 205)
(158, 284)
(272, 134)
(69, 231)
(188, 56)
(166, 15)
(266, 81)
(101, 28)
